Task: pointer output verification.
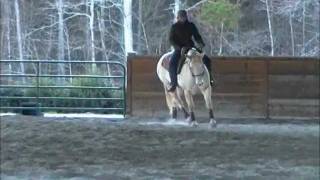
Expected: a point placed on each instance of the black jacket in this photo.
(181, 35)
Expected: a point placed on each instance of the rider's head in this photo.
(182, 16)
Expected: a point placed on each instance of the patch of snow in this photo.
(75, 115)
(170, 122)
(8, 114)
(85, 115)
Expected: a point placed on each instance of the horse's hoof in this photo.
(194, 124)
(189, 120)
(172, 120)
(212, 123)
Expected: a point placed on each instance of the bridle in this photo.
(188, 61)
(196, 76)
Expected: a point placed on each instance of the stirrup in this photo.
(211, 83)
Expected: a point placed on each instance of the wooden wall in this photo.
(247, 87)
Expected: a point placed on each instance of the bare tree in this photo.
(102, 33)
(139, 33)
(61, 48)
(5, 41)
(269, 17)
(19, 36)
(128, 34)
(91, 25)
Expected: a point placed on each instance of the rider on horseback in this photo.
(180, 37)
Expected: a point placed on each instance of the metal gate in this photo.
(38, 77)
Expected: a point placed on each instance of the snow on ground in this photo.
(7, 114)
(74, 115)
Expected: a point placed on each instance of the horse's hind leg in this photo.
(207, 97)
(169, 102)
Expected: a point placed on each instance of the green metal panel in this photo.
(39, 87)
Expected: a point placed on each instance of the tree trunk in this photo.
(145, 38)
(5, 44)
(19, 37)
(46, 68)
(292, 34)
(52, 19)
(221, 38)
(87, 49)
(9, 45)
(61, 53)
(140, 20)
(270, 28)
(128, 26)
(102, 28)
(303, 28)
(5, 14)
(69, 52)
(91, 24)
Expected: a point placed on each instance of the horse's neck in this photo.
(185, 70)
(186, 75)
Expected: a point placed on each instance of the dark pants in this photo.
(173, 67)
(207, 63)
(174, 61)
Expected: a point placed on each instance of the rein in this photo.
(195, 75)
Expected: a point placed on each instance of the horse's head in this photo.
(197, 68)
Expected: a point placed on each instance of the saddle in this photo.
(166, 62)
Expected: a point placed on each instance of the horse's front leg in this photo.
(190, 102)
(207, 97)
(181, 102)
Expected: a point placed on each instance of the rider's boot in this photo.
(180, 64)
(207, 63)
(173, 71)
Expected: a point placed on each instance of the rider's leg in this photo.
(173, 69)
(184, 51)
(180, 63)
(207, 62)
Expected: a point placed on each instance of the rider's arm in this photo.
(196, 35)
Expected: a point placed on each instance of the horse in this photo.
(193, 78)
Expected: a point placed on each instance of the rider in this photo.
(180, 37)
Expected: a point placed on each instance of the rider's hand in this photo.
(201, 46)
(184, 51)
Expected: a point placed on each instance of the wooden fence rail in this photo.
(247, 87)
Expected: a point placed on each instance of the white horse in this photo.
(194, 78)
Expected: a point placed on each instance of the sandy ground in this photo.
(89, 148)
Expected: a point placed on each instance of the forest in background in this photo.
(93, 29)
(96, 30)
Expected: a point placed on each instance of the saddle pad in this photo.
(166, 61)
